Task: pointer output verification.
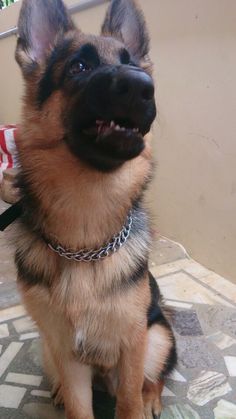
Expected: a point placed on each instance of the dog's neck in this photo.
(75, 204)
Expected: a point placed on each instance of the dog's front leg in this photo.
(131, 377)
(76, 382)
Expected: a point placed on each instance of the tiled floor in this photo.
(204, 320)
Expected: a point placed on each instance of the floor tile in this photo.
(11, 396)
(34, 353)
(11, 313)
(178, 304)
(169, 268)
(221, 285)
(8, 356)
(42, 411)
(221, 340)
(24, 324)
(230, 362)
(32, 335)
(225, 410)
(179, 411)
(176, 376)
(196, 352)
(186, 323)
(26, 379)
(41, 393)
(196, 270)
(167, 393)
(182, 287)
(217, 318)
(208, 386)
(4, 332)
(165, 251)
(9, 295)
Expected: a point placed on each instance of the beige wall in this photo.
(193, 47)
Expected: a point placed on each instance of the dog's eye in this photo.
(78, 67)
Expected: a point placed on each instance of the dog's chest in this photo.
(102, 317)
(99, 335)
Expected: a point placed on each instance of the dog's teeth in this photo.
(135, 129)
(122, 129)
(98, 122)
(112, 124)
(117, 128)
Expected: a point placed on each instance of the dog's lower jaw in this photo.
(109, 153)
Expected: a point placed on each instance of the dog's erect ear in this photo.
(40, 24)
(125, 21)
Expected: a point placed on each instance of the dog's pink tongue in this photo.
(100, 128)
(104, 127)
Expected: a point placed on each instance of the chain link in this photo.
(86, 255)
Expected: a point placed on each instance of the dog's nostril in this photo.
(148, 92)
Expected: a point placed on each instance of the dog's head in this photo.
(97, 89)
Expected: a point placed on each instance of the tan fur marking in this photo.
(129, 393)
(158, 348)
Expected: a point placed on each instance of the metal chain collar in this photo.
(86, 255)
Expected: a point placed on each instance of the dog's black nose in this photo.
(132, 85)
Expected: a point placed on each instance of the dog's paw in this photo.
(57, 397)
(152, 410)
(147, 413)
(150, 415)
(157, 408)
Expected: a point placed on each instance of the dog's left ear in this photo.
(41, 23)
(125, 21)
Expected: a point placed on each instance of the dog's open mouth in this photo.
(101, 129)
(108, 143)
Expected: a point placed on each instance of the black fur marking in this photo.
(47, 83)
(137, 275)
(171, 360)
(155, 314)
(29, 275)
(140, 228)
(88, 54)
(104, 159)
(30, 205)
(139, 272)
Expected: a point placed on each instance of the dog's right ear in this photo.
(41, 23)
(125, 21)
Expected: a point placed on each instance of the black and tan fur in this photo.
(99, 317)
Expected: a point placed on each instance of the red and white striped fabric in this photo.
(8, 151)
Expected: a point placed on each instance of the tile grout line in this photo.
(180, 270)
(208, 287)
(198, 280)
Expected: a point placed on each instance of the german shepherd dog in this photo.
(84, 238)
